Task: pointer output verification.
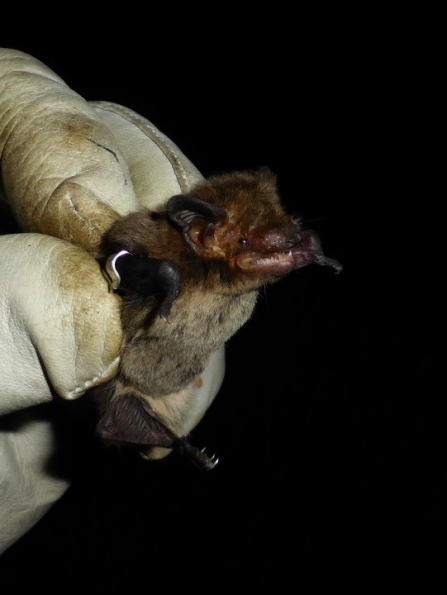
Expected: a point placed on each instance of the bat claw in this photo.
(211, 458)
(212, 464)
(197, 456)
(208, 463)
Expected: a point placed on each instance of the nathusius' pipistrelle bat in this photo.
(189, 278)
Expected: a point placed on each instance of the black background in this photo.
(330, 423)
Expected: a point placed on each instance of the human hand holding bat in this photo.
(189, 268)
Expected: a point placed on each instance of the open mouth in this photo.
(307, 251)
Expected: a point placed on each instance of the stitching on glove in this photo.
(81, 389)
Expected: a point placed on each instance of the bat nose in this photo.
(282, 239)
(294, 239)
(291, 236)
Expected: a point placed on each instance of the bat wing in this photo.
(127, 420)
(143, 276)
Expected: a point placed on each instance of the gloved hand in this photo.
(69, 168)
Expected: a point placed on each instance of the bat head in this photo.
(238, 218)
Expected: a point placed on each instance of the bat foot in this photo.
(198, 457)
(209, 462)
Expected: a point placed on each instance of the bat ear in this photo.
(127, 420)
(184, 210)
(196, 218)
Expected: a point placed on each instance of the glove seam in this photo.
(79, 390)
(153, 134)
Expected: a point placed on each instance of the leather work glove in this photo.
(69, 168)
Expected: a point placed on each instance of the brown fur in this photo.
(223, 262)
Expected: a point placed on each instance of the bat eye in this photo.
(243, 241)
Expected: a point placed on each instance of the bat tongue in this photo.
(309, 251)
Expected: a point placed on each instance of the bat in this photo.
(189, 277)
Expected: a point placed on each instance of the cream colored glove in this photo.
(69, 168)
